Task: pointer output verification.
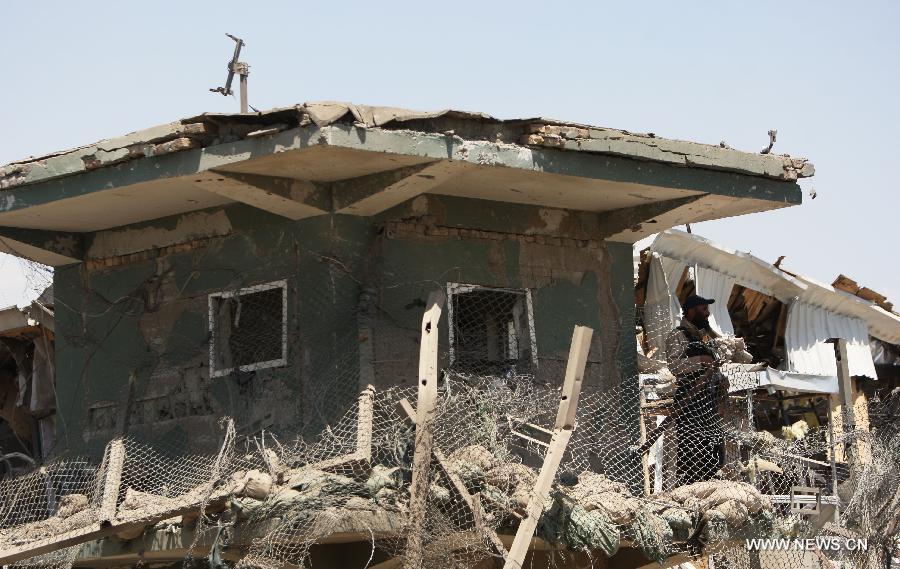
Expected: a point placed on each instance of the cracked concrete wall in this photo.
(575, 276)
(146, 315)
(356, 289)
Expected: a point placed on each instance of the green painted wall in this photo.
(147, 316)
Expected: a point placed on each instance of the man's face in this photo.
(699, 315)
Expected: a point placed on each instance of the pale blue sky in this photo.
(825, 74)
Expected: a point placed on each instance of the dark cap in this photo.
(695, 300)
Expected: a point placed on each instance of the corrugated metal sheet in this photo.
(816, 311)
(809, 327)
(661, 309)
(882, 324)
(747, 270)
(712, 284)
(756, 274)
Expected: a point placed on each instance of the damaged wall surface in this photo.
(134, 332)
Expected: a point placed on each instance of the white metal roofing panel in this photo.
(809, 327)
(882, 324)
(747, 270)
(754, 273)
(717, 286)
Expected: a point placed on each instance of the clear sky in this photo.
(823, 73)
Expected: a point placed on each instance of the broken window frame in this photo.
(216, 297)
(463, 288)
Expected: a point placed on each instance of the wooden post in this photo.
(562, 432)
(112, 480)
(645, 460)
(861, 420)
(425, 407)
(364, 419)
(845, 390)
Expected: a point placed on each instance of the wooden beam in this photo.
(112, 481)
(562, 432)
(677, 559)
(293, 199)
(645, 460)
(98, 530)
(53, 248)
(365, 417)
(376, 193)
(360, 460)
(845, 392)
(425, 408)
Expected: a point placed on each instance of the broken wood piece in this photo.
(562, 432)
(645, 460)
(365, 417)
(425, 408)
(489, 534)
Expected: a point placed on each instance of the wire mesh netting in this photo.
(664, 458)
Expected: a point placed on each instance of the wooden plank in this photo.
(861, 420)
(571, 390)
(677, 559)
(489, 534)
(98, 530)
(365, 417)
(425, 408)
(539, 494)
(562, 432)
(360, 460)
(845, 393)
(645, 459)
(112, 481)
(391, 563)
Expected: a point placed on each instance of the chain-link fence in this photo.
(666, 461)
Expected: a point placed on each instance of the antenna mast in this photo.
(241, 69)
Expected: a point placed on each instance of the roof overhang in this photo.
(358, 169)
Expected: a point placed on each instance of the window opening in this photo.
(248, 328)
(491, 330)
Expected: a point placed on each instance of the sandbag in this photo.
(71, 504)
(652, 535)
(591, 531)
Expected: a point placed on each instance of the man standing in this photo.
(699, 385)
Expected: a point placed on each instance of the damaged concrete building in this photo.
(152, 233)
(269, 267)
(27, 393)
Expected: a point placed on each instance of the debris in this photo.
(383, 477)
(733, 349)
(474, 455)
(768, 149)
(796, 432)
(710, 493)
(678, 518)
(591, 531)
